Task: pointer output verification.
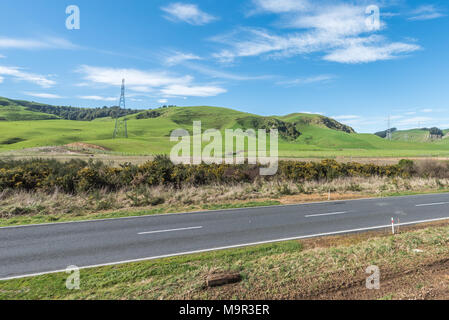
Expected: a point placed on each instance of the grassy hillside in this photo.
(417, 135)
(13, 111)
(319, 136)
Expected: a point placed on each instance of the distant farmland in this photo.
(148, 133)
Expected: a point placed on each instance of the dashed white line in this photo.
(170, 230)
(432, 204)
(325, 214)
(226, 247)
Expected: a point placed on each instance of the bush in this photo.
(81, 176)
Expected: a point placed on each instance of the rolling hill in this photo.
(416, 135)
(302, 135)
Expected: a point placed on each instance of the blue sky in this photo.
(270, 57)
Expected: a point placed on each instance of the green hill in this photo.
(302, 135)
(418, 135)
(11, 110)
(17, 110)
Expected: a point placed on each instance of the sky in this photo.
(360, 62)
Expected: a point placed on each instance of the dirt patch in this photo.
(428, 281)
(81, 146)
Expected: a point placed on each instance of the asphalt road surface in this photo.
(37, 249)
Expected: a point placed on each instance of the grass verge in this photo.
(322, 267)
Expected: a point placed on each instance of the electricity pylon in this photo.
(121, 126)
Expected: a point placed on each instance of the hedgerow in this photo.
(80, 176)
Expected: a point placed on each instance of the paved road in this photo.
(30, 250)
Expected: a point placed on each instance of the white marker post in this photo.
(392, 225)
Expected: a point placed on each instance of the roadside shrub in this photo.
(77, 176)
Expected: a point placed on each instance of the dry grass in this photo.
(19, 203)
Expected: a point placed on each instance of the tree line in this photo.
(76, 113)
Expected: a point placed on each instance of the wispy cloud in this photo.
(279, 6)
(148, 81)
(346, 117)
(189, 13)
(307, 80)
(192, 91)
(134, 77)
(426, 12)
(98, 98)
(18, 74)
(340, 32)
(29, 44)
(179, 57)
(359, 52)
(43, 95)
(162, 101)
(220, 74)
(2, 56)
(415, 121)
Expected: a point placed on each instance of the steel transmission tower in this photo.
(121, 126)
(122, 104)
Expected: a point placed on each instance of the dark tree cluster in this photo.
(383, 134)
(436, 132)
(148, 115)
(75, 113)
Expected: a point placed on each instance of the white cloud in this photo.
(346, 117)
(340, 31)
(148, 81)
(425, 12)
(133, 77)
(279, 6)
(2, 56)
(179, 57)
(192, 91)
(189, 13)
(18, 74)
(312, 112)
(43, 95)
(162, 101)
(98, 98)
(427, 110)
(214, 73)
(360, 53)
(44, 43)
(307, 80)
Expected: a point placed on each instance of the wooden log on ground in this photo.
(216, 280)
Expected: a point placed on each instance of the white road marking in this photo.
(209, 211)
(223, 248)
(431, 204)
(170, 230)
(325, 214)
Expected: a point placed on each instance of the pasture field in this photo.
(151, 136)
